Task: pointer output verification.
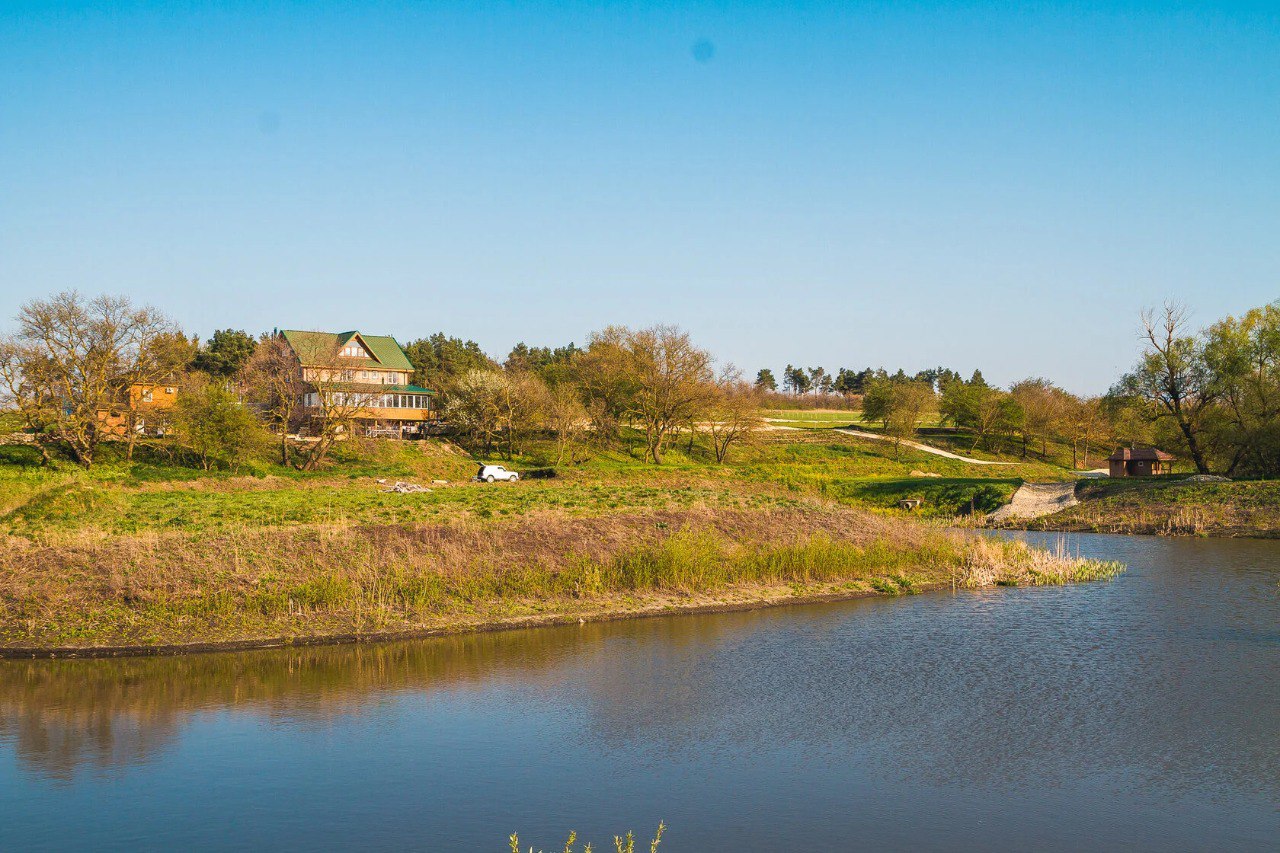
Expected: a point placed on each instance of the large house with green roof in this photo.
(368, 376)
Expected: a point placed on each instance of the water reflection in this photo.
(68, 715)
(1164, 683)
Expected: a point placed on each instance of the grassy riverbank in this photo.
(149, 553)
(252, 585)
(1171, 506)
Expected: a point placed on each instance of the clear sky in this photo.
(998, 185)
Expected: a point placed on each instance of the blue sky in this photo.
(999, 185)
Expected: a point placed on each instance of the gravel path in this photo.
(922, 447)
(1033, 500)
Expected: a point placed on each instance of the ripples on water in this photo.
(1142, 712)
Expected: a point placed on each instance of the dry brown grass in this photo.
(91, 589)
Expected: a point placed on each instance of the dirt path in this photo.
(1033, 500)
(946, 454)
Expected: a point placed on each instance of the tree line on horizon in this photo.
(73, 359)
(845, 382)
(1211, 396)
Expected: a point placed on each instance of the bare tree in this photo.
(567, 419)
(733, 413)
(70, 362)
(272, 379)
(522, 405)
(1173, 378)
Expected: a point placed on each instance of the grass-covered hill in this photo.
(150, 552)
(154, 493)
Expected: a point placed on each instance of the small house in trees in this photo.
(145, 407)
(1139, 462)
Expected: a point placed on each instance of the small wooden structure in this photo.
(1139, 462)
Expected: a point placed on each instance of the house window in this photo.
(147, 396)
(352, 352)
(170, 390)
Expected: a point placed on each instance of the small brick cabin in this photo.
(1139, 462)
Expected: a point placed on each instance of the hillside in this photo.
(151, 554)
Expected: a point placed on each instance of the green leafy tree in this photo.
(439, 361)
(220, 431)
(765, 380)
(990, 414)
(796, 380)
(877, 400)
(1243, 357)
(819, 380)
(606, 381)
(225, 353)
(1045, 410)
(553, 365)
(847, 382)
(899, 405)
(909, 402)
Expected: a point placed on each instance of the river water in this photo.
(1142, 713)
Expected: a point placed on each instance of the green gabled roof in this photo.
(314, 347)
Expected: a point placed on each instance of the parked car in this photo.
(493, 473)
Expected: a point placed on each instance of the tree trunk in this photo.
(1193, 446)
(132, 438)
(45, 459)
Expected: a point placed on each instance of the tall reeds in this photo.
(247, 583)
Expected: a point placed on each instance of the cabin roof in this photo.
(1140, 454)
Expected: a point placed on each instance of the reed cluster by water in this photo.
(621, 844)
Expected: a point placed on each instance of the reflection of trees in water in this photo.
(65, 740)
(67, 715)
(64, 715)
(1040, 687)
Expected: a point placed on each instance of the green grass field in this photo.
(152, 493)
(150, 551)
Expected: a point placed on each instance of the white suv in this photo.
(493, 473)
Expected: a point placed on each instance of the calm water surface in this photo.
(1138, 714)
